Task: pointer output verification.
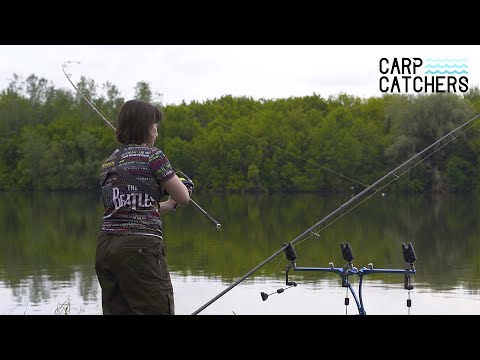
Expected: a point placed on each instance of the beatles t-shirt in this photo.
(129, 210)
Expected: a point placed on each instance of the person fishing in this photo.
(130, 260)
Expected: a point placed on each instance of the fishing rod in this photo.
(230, 127)
(346, 207)
(109, 123)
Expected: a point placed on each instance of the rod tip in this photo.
(219, 226)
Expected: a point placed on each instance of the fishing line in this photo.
(99, 112)
(299, 239)
(104, 117)
(394, 179)
(283, 257)
(345, 206)
(278, 148)
(376, 191)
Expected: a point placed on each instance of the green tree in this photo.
(143, 91)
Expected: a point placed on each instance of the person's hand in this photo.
(188, 184)
(171, 203)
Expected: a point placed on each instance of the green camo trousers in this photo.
(133, 274)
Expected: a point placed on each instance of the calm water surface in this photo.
(47, 250)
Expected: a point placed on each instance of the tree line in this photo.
(51, 139)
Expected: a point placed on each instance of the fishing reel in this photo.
(186, 181)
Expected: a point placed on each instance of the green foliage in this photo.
(460, 174)
(51, 139)
(415, 122)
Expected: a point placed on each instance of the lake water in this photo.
(47, 250)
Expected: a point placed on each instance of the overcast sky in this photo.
(201, 72)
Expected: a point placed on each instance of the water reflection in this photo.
(47, 247)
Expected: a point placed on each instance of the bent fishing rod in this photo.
(347, 206)
(109, 123)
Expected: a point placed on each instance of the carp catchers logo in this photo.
(407, 75)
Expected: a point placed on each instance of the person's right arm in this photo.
(177, 190)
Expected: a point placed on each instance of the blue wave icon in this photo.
(454, 64)
(446, 72)
(446, 66)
